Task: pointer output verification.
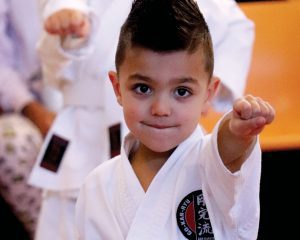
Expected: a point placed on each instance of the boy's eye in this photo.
(142, 89)
(182, 92)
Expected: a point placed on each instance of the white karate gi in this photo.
(89, 102)
(80, 72)
(113, 205)
(233, 38)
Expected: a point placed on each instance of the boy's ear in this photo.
(211, 92)
(116, 85)
(212, 87)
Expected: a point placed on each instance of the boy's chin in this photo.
(159, 147)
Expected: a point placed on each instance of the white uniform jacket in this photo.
(233, 39)
(112, 204)
(79, 69)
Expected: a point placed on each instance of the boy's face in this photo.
(162, 95)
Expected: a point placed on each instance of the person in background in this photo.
(233, 37)
(171, 181)
(24, 117)
(87, 129)
(77, 50)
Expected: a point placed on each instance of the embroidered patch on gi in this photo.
(193, 219)
(54, 153)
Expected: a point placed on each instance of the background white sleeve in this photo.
(233, 38)
(57, 56)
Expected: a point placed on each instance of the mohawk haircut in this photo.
(165, 26)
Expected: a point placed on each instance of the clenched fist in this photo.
(249, 116)
(68, 22)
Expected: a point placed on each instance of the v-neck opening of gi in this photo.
(137, 187)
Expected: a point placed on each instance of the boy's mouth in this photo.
(158, 126)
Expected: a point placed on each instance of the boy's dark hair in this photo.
(166, 26)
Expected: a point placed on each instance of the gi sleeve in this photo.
(57, 55)
(233, 38)
(236, 194)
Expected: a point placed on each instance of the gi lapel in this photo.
(154, 210)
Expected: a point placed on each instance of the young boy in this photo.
(77, 50)
(171, 181)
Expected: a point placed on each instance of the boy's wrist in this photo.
(233, 149)
(72, 42)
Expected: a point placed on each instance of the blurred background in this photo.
(274, 75)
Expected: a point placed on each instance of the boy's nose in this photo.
(161, 107)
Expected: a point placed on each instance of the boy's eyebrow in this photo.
(138, 76)
(186, 80)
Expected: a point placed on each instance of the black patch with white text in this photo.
(115, 140)
(193, 219)
(54, 153)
